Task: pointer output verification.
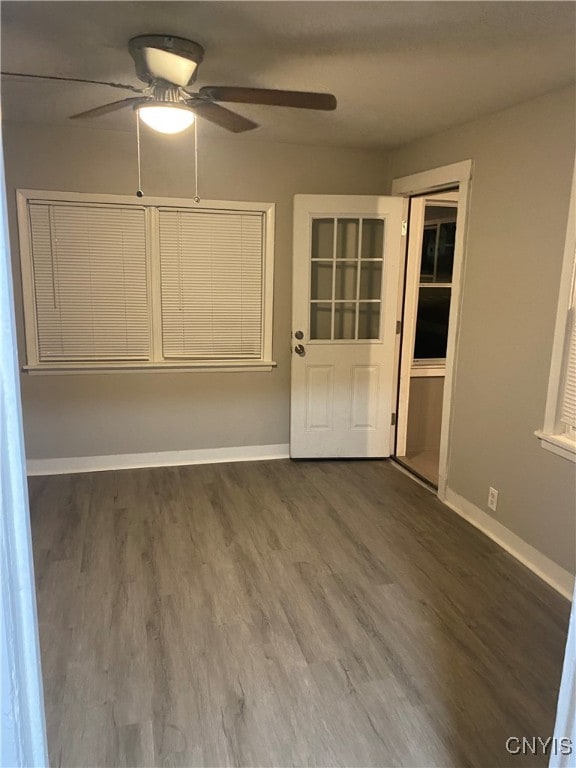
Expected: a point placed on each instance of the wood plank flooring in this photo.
(284, 614)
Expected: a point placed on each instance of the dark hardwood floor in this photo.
(284, 614)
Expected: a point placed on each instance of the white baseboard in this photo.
(558, 578)
(163, 459)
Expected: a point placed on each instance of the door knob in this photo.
(299, 349)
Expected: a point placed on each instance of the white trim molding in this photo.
(558, 444)
(554, 435)
(434, 179)
(549, 571)
(446, 177)
(76, 464)
(234, 366)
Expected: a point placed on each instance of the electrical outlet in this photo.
(492, 499)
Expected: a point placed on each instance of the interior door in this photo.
(345, 307)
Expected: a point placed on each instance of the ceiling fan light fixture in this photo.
(166, 118)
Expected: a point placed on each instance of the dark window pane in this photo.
(428, 251)
(321, 283)
(345, 284)
(369, 320)
(435, 213)
(371, 280)
(322, 238)
(347, 239)
(320, 321)
(344, 321)
(432, 323)
(372, 239)
(446, 240)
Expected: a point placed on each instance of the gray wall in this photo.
(523, 161)
(88, 415)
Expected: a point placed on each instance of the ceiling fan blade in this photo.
(106, 108)
(270, 97)
(73, 80)
(221, 116)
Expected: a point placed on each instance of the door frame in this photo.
(411, 281)
(435, 180)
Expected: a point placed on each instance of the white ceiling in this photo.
(400, 70)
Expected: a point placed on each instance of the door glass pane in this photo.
(445, 262)
(320, 321)
(347, 239)
(345, 285)
(432, 323)
(370, 279)
(344, 321)
(322, 238)
(372, 238)
(321, 282)
(369, 320)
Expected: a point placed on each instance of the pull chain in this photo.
(196, 197)
(139, 192)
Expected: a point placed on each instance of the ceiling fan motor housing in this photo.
(168, 93)
(167, 58)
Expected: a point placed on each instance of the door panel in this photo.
(346, 269)
(319, 396)
(365, 396)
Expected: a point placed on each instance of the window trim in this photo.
(553, 436)
(151, 204)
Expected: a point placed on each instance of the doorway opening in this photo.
(445, 180)
(427, 297)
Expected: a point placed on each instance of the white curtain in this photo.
(563, 753)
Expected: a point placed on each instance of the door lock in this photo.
(299, 349)
(299, 335)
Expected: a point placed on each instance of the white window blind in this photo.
(211, 283)
(90, 281)
(110, 282)
(568, 407)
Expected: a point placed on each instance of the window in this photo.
(568, 400)
(111, 283)
(346, 278)
(559, 432)
(434, 286)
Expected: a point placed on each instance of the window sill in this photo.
(419, 369)
(238, 366)
(558, 444)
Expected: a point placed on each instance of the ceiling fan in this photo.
(168, 66)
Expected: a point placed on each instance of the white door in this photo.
(344, 312)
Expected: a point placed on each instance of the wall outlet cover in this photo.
(492, 499)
